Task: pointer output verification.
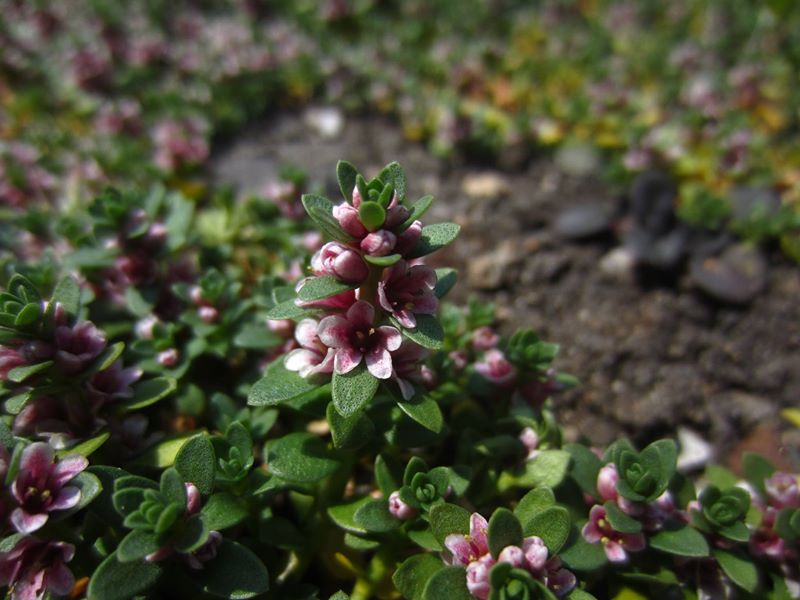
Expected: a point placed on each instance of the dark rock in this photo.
(584, 221)
(737, 276)
(652, 202)
(658, 251)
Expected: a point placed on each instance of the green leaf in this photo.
(163, 454)
(321, 212)
(383, 261)
(580, 555)
(85, 448)
(413, 574)
(115, 580)
(579, 594)
(28, 315)
(552, 525)
(90, 488)
(450, 583)
(446, 519)
(424, 538)
(680, 540)
(371, 214)
(352, 391)
(171, 487)
(756, 469)
(236, 573)
(136, 545)
(428, 333)
(223, 510)
(425, 411)
(417, 209)
(196, 463)
(619, 520)
(739, 567)
(20, 374)
(548, 468)
(324, 286)
(67, 293)
(278, 385)
(387, 474)
(415, 465)
(584, 467)
(349, 432)
(446, 278)
(253, 336)
(343, 515)
(300, 457)
(504, 530)
(21, 287)
(393, 174)
(192, 535)
(346, 176)
(287, 310)
(107, 357)
(374, 516)
(151, 391)
(433, 238)
(532, 503)
(340, 595)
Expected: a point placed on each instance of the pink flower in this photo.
(765, 541)
(313, 356)
(354, 337)
(407, 367)
(512, 555)
(112, 384)
(34, 567)
(9, 359)
(39, 487)
(478, 576)
(409, 238)
(615, 544)
(782, 490)
(530, 439)
(535, 553)
(340, 261)
(400, 509)
(469, 548)
(379, 243)
(484, 338)
(283, 327)
(405, 291)
(560, 581)
(607, 479)
(168, 357)
(78, 346)
(496, 368)
(348, 220)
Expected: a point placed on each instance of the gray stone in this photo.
(584, 221)
(737, 276)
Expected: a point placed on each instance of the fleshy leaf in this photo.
(321, 212)
(428, 333)
(450, 583)
(680, 540)
(425, 411)
(433, 238)
(446, 519)
(115, 580)
(236, 573)
(740, 568)
(504, 530)
(223, 510)
(196, 462)
(346, 176)
(349, 432)
(278, 385)
(353, 390)
(151, 391)
(413, 574)
(324, 286)
(552, 525)
(374, 516)
(300, 457)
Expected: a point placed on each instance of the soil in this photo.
(653, 354)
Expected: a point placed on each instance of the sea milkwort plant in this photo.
(222, 426)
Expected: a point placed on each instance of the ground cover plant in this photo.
(207, 395)
(179, 423)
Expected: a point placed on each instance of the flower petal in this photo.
(346, 360)
(59, 579)
(361, 315)
(27, 523)
(390, 338)
(67, 497)
(615, 552)
(306, 332)
(478, 529)
(68, 467)
(301, 360)
(335, 332)
(379, 362)
(460, 548)
(36, 461)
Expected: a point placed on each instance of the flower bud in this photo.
(535, 552)
(607, 482)
(512, 555)
(379, 243)
(400, 509)
(208, 314)
(349, 221)
(168, 358)
(340, 261)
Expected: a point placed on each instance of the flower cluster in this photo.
(472, 551)
(369, 285)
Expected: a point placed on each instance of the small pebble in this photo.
(584, 221)
(737, 276)
(485, 186)
(578, 160)
(695, 451)
(327, 121)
